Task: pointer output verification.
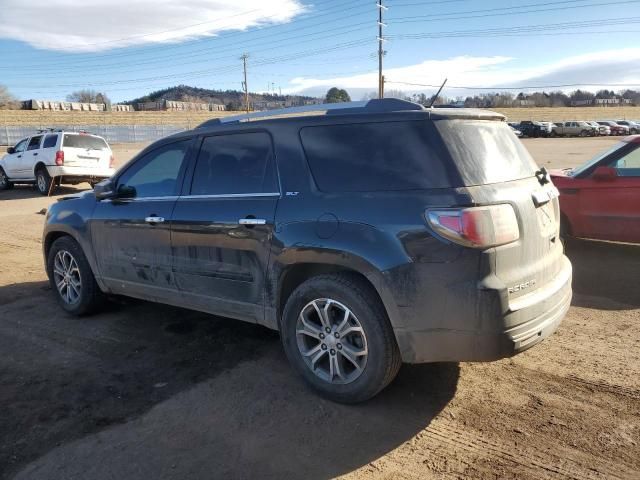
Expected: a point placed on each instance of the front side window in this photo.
(240, 163)
(34, 143)
(50, 141)
(629, 165)
(21, 145)
(156, 173)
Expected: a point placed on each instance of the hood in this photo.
(87, 193)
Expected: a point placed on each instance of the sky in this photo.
(128, 48)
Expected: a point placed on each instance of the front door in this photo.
(12, 160)
(611, 208)
(222, 228)
(131, 233)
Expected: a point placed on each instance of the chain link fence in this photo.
(10, 135)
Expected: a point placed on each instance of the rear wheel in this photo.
(71, 278)
(43, 181)
(5, 184)
(336, 334)
(584, 133)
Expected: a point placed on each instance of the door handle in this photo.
(252, 221)
(20, 156)
(154, 219)
(35, 153)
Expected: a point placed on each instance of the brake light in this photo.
(476, 227)
(111, 161)
(59, 158)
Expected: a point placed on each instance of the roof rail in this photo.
(385, 105)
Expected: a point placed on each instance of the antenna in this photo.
(435, 97)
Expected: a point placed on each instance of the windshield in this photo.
(486, 151)
(596, 159)
(84, 141)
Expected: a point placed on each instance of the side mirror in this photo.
(126, 191)
(605, 174)
(11, 150)
(104, 190)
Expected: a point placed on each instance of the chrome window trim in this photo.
(143, 199)
(229, 195)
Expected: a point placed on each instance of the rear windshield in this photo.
(365, 157)
(84, 141)
(485, 151)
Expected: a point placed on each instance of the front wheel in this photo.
(71, 278)
(5, 184)
(336, 334)
(43, 181)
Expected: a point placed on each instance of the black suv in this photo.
(369, 234)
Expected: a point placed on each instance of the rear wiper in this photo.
(543, 176)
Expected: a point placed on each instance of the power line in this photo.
(381, 8)
(495, 88)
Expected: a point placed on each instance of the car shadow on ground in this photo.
(606, 275)
(63, 379)
(22, 192)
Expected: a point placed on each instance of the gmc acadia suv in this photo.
(370, 234)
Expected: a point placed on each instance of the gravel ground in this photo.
(149, 391)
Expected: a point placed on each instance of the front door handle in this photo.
(252, 221)
(153, 219)
(35, 153)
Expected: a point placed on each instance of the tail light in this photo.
(476, 227)
(59, 158)
(111, 161)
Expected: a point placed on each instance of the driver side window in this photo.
(629, 165)
(21, 145)
(156, 173)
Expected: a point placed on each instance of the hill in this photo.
(232, 99)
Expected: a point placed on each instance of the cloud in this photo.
(70, 25)
(620, 66)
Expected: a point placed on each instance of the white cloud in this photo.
(610, 67)
(71, 25)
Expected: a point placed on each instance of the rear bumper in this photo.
(81, 172)
(526, 322)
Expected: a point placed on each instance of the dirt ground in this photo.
(149, 391)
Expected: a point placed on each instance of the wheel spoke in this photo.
(308, 328)
(344, 322)
(317, 357)
(322, 314)
(334, 368)
(352, 355)
(60, 284)
(57, 270)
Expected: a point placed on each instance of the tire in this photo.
(67, 264)
(366, 329)
(43, 181)
(5, 184)
(553, 134)
(583, 133)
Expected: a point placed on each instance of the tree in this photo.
(6, 99)
(337, 95)
(88, 96)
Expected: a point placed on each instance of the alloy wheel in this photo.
(331, 341)
(66, 275)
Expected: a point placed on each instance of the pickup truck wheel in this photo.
(5, 184)
(336, 334)
(43, 181)
(71, 278)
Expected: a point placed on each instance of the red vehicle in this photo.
(601, 199)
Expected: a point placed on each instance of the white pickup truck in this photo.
(56, 156)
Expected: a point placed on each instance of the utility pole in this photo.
(380, 48)
(244, 84)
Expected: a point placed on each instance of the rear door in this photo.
(131, 234)
(85, 151)
(222, 229)
(29, 158)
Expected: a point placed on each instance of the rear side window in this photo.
(50, 141)
(34, 143)
(84, 141)
(365, 157)
(485, 151)
(239, 163)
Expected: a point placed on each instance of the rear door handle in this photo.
(154, 219)
(252, 221)
(35, 153)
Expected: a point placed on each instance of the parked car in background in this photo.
(517, 132)
(60, 156)
(573, 129)
(634, 127)
(601, 199)
(377, 233)
(603, 130)
(533, 129)
(614, 127)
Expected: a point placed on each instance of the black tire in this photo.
(5, 184)
(383, 357)
(43, 181)
(583, 133)
(90, 298)
(553, 134)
